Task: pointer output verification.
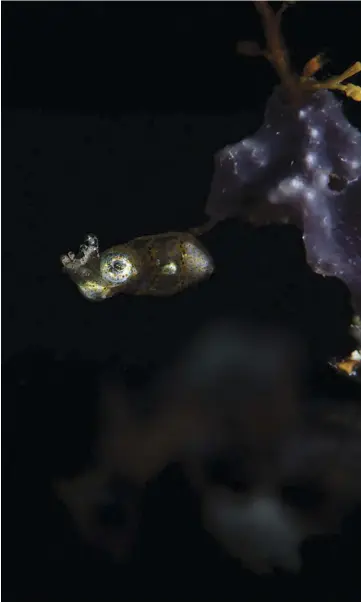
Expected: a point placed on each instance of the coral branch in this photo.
(314, 65)
(276, 51)
(334, 82)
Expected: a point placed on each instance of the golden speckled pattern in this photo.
(158, 265)
(93, 290)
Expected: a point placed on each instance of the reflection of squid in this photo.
(351, 365)
(160, 265)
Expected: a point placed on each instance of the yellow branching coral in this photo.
(332, 83)
(276, 53)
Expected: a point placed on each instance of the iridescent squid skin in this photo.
(156, 265)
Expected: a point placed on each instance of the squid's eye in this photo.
(116, 268)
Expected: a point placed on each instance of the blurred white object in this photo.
(259, 531)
